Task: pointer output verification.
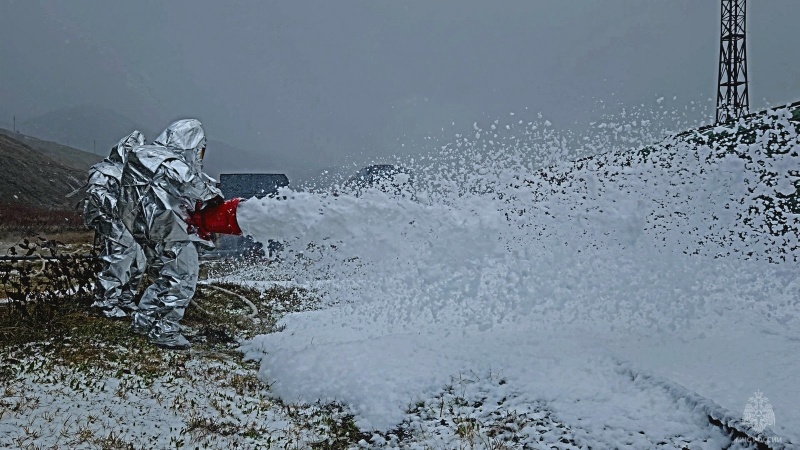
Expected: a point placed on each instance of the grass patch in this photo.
(54, 346)
(222, 318)
(82, 341)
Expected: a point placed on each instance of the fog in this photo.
(307, 85)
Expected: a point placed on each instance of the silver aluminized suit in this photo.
(122, 258)
(161, 185)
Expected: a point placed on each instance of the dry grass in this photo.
(24, 220)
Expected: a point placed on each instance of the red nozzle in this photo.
(218, 219)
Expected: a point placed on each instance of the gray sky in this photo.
(307, 83)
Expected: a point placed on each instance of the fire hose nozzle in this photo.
(219, 219)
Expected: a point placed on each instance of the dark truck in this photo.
(246, 185)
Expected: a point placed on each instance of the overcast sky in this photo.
(310, 82)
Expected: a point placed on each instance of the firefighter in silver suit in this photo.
(122, 258)
(162, 185)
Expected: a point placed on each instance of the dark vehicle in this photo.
(388, 178)
(246, 185)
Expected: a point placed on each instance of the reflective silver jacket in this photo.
(101, 208)
(163, 182)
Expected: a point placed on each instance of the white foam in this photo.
(497, 264)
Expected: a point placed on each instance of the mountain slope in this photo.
(33, 178)
(68, 156)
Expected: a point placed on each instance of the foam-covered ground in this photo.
(678, 261)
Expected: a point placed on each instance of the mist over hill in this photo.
(95, 129)
(89, 128)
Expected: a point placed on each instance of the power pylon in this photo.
(733, 99)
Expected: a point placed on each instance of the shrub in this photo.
(40, 281)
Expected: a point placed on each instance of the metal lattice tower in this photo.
(733, 99)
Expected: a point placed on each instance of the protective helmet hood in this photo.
(185, 134)
(187, 138)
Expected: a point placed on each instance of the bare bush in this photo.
(40, 280)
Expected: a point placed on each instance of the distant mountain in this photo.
(36, 179)
(86, 127)
(95, 130)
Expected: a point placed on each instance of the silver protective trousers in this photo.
(123, 264)
(174, 268)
